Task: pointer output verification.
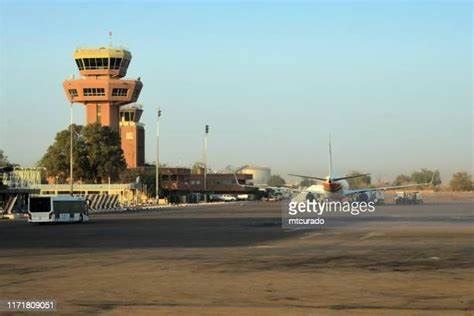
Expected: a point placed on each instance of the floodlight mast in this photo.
(157, 169)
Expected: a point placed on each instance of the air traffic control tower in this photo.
(103, 91)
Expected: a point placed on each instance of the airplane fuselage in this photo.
(337, 188)
(333, 190)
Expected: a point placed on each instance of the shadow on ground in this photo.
(146, 232)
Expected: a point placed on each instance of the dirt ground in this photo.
(236, 259)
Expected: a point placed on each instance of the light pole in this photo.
(158, 156)
(206, 133)
(71, 179)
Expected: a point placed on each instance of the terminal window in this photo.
(119, 92)
(93, 92)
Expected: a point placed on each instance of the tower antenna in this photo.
(110, 38)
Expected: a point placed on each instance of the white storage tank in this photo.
(260, 175)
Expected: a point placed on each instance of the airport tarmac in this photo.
(236, 258)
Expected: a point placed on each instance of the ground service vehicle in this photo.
(378, 197)
(57, 208)
(408, 198)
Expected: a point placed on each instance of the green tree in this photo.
(436, 180)
(97, 154)
(307, 182)
(276, 181)
(461, 181)
(402, 179)
(104, 152)
(56, 158)
(360, 182)
(3, 159)
(146, 174)
(426, 176)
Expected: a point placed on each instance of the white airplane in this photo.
(337, 188)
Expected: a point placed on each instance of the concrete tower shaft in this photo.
(132, 134)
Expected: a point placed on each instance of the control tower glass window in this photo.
(92, 63)
(73, 92)
(79, 63)
(136, 92)
(115, 63)
(127, 116)
(125, 63)
(119, 92)
(95, 63)
(102, 63)
(93, 92)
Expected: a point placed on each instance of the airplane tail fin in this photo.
(332, 176)
(331, 170)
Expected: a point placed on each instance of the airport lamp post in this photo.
(158, 156)
(71, 131)
(206, 133)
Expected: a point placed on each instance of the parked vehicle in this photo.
(60, 208)
(378, 197)
(228, 198)
(242, 197)
(222, 197)
(408, 198)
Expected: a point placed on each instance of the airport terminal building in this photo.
(182, 185)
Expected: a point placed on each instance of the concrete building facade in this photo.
(182, 183)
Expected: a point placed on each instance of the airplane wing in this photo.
(350, 192)
(307, 177)
(351, 177)
(332, 179)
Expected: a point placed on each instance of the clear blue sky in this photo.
(392, 81)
